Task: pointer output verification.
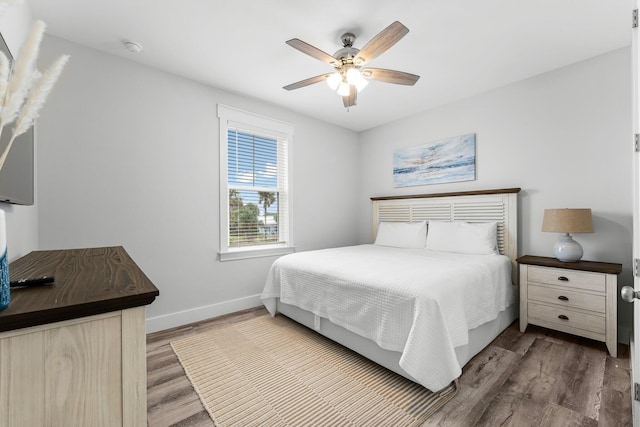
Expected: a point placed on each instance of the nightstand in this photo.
(579, 298)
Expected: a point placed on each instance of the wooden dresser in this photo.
(74, 352)
(575, 297)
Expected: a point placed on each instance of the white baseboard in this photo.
(159, 323)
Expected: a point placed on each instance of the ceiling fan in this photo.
(349, 76)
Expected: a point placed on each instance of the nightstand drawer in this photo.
(570, 278)
(567, 298)
(565, 316)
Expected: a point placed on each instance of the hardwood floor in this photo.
(539, 378)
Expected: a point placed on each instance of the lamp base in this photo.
(567, 250)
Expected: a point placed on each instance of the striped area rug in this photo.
(274, 372)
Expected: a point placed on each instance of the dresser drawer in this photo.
(570, 278)
(566, 316)
(567, 298)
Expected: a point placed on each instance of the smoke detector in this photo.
(133, 47)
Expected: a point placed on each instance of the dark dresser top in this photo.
(87, 282)
(593, 266)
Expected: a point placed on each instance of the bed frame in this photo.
(472, 206)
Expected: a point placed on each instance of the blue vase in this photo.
(5, 295)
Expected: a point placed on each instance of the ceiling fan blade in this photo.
(381, 42)
(311, 51)
(350, 100)
(390, 76)
(307, 82)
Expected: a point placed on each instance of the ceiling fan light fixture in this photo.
(361, 83)
(354, 77)
(334, 81)
(343, 89)
(348, 77)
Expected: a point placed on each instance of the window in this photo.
(254, 185)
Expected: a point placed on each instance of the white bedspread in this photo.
(418, 302)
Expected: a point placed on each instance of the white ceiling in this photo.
(458, 47)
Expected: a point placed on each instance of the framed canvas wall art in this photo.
(448, 160)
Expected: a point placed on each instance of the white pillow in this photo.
(412, 235)
(463, 237)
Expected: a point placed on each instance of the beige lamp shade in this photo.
(567, 221)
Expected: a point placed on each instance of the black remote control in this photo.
(36, 281)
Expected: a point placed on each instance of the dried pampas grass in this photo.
(23, 89)
(22, 75)
(38, 95)
(4, 75)
(34, 102)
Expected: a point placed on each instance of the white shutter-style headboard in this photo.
(470, 206)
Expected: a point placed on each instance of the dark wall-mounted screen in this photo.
(16, 176)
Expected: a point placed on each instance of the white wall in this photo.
(564, 137)
(128, 156)
(22, 221)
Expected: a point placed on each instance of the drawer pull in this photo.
(563, 317)
(563, 298)
(563, 279)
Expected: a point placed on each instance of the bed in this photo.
(418, 308)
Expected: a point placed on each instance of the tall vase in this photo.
(5, 296)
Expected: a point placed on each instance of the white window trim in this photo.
(229, 115)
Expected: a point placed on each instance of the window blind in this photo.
(257, 184)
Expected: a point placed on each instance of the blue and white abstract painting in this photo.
(449, 160)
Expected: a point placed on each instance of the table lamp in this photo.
(567, 221)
